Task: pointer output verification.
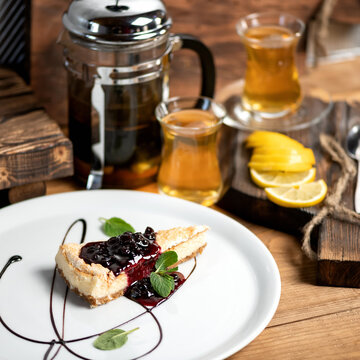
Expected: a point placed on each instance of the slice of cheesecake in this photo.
(102, 271)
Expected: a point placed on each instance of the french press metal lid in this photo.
(111, 22)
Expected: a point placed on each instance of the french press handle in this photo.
(206, 61)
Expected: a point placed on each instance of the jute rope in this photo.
(332, 203)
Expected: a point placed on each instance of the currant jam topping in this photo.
(134, 253)
(142, 291)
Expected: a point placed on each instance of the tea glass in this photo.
(190, 167)
(272, 87)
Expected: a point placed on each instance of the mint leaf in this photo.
(112, 339)
(171, 281)
(164, 272)
(116, 226)
(160, 280)
(162, 284)
(165, 260)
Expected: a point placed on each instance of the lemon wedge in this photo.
(276, 178)
(306, 153)
(281, 158)
(280, 166)
(304, 196)
(269, 138)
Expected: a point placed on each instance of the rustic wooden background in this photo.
(213, 21)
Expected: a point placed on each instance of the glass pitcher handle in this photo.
(206, 60)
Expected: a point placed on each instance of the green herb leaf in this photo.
(112, 339)
(164, 272)
(160, 280)
(116, 226)
(165, 260)
(171, 281)
(162, 284)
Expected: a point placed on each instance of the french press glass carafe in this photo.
(117, 55)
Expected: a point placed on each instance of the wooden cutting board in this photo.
(337, 242)
(32, 147)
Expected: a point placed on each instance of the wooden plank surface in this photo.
(32, 146)
(311, 321)
(336, 241)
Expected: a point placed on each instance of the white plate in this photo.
(227, 301)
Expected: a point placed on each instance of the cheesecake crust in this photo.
(90, 299)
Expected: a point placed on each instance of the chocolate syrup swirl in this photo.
(148, 305)
(13, 259)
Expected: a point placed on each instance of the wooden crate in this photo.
(32, 147)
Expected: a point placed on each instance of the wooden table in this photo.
(311, 321)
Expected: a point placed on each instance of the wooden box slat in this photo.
(32, 147)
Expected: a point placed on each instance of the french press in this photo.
(117, 55)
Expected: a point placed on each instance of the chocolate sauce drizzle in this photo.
(60, 337)
(13, 259)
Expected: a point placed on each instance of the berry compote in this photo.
(134, 253)
(142, 291)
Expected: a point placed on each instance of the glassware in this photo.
(272, 87)
(316, 105)
(190, 166)
(117, 55)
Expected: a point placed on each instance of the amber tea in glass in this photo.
(272, 87)
(190, 168)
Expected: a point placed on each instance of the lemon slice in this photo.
(306, 195)
(305, 153)
(269, 138)
(276, 178)
(283, 158)
(280, 166)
